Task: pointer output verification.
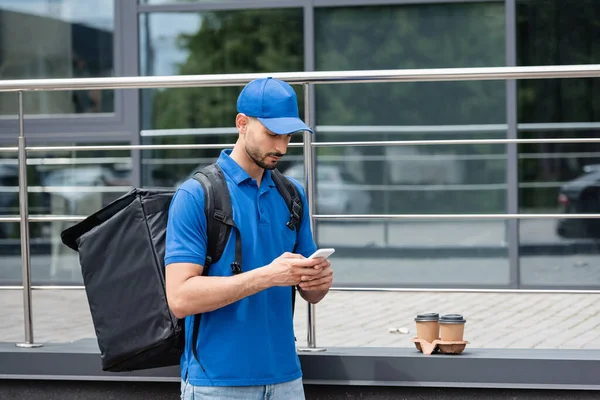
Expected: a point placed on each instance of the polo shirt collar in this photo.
(237, 173)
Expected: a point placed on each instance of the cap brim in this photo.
(284, 126)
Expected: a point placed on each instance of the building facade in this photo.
(99, 38)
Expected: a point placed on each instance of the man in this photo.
(246, 346)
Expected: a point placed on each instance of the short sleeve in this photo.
(306, 244)
(186, 227)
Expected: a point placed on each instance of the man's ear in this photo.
(241, 123)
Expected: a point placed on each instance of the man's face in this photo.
(264, 147)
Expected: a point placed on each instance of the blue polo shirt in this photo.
(249, 342)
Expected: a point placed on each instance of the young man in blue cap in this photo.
(246, 346)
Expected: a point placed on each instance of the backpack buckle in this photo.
(219, 216)
(236, 268)
(295, 215)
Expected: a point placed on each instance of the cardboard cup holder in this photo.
(443, 346)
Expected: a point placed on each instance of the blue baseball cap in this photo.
(274, 104)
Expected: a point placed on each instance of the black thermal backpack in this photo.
(121, 252)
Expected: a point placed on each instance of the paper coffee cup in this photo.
(452, 327)
(427, 326)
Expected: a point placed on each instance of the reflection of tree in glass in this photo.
(247, 41)
(424, 36)
(420, 36)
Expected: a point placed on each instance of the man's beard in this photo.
(258, 160)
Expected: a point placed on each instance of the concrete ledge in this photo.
(475, 368)
(381, 367)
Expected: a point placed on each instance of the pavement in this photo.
(359, 319)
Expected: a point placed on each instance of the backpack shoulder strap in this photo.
(290, 194)
(218, 211)
(219, 222)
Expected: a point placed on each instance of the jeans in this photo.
(293, 390)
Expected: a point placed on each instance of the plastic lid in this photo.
(427, 317)
(452, 319)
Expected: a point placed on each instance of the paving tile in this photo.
(364, 318)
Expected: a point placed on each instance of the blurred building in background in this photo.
(99, 38)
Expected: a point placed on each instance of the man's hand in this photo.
(314, 287)
(321, 281)
(290, 269)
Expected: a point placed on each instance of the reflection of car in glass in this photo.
(9, 201)
(85, 176)
(9, 178)
(580, 196)
(335, 194)
(66, 199)
(46, 201)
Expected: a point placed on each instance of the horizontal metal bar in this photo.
(381, 289)
(444, 187)
(45, 218)
(348, 187)
(125, 161)
(353, 3)
(316, 77)
(49, 287)
(346, 129)
(558, 126)
(375, 217)
(524, 127)
(198, 160)
(44, 287)
(188, 132)
(130, 147)
(558, 154)
(383, 143)
(358, 217)
(9, 149)
(49, 161)
(459, 290)
(411, 128)
(208, 5)
(424, 187)
(388, 143)
(217, 146)
(68, 189)
(339, 129)
(97, 118)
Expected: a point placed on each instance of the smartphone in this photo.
(322, 253)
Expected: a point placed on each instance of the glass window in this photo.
(205, 43)
(412, 179)
(57, 39)
(559, 177)
(553, 33)
(59, 183)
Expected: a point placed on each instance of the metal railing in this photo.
(307, 79)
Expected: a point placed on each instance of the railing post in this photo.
(310, 185)
(24, 214)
